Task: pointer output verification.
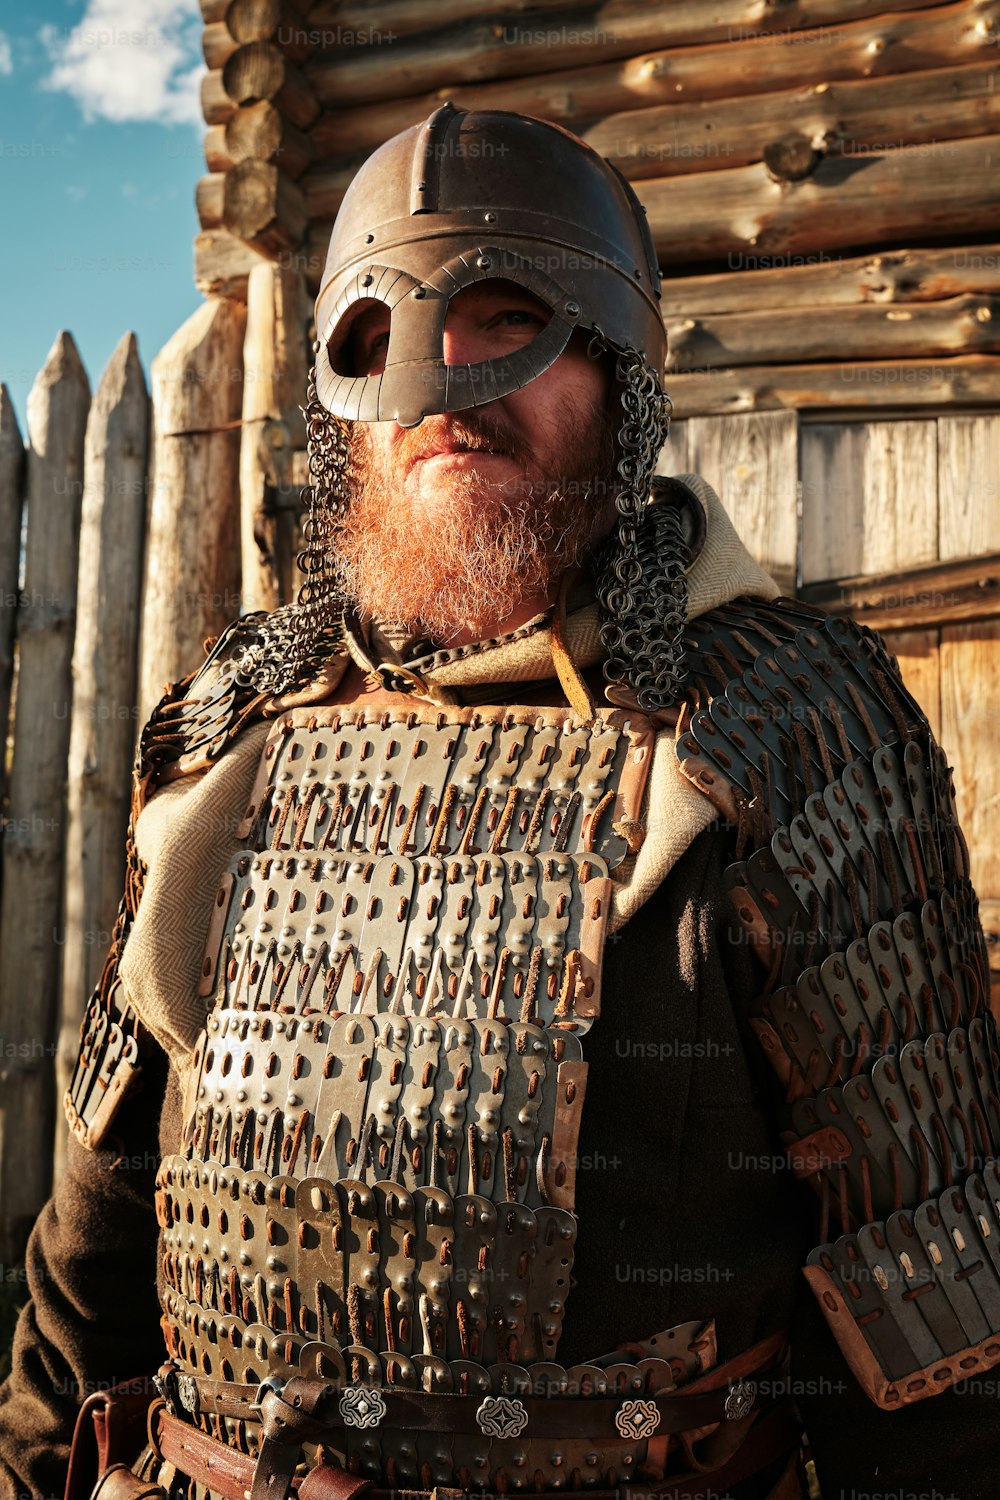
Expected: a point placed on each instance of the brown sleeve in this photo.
(92, 1319)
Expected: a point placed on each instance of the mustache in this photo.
(468, 429)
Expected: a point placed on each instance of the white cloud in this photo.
(6, 57)
(130, 60)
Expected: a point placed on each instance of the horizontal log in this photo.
(270, 20)
(259, 70)
(867, 115)
(961, 325)
(832, 281)
(359, 23)
(578, 97)
(222, 264)
(938, 593)
(209, 199)
(217, 44)
(217, 154)
(478, 51)
(263, 207)
(886, 385)
(213, 10)
(261, 132)
(324, 189)
(216, 105)
(946, 190)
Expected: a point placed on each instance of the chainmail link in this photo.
(318, 610)
(640, 572)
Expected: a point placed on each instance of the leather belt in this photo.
(231, 1474)
(722, 1394)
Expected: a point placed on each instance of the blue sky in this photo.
(100, 150)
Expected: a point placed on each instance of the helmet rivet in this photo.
(489, 218)
(572, 309)
(484, 262)
(367, 280)
(418, 291)
(369, 238)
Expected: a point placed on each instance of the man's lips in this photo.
(456, 450)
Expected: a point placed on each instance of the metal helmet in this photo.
(470, 196)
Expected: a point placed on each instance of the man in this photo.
(497, 917)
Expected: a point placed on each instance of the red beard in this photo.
(488, 546)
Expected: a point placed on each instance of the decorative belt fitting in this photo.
(362, 1406)
(637, 1419)
(502, 1416)
(741, 1398)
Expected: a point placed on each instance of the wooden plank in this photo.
(968, 485)
(901, 385)
(578, 97)
(105, 660)
(947, 188)
(960, 325)
(604, 41)
(939, 593)
(918, 655)
(751, 463)
(869, 498)
(11, 499)
(857, 116)
(760, 282)
(970, 693)
(673, 457)
(31, 913)
(274, 366)
(192, 571)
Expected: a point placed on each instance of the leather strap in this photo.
(231, 1474)
(705, 1401)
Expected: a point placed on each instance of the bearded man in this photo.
(509, 924)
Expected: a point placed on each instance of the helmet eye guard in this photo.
(416, 381)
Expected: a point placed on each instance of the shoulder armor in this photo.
(246, 668)
(249, 664)
(852, 879)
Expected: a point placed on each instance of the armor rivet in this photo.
(367, 280)
(244, 1257)
(484, 262)
(255, 1023)
(419, 292)
(572, 309)
(293, 1101)
(274, 1264)
(279, 1026)
(265, 1097)
(241, 1096)
(489, 218)
(309, 952)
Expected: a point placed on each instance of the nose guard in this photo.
(416, 382)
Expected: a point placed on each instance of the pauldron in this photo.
(853, 886)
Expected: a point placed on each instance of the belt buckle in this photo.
(270, 1383)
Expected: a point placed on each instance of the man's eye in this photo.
(520, 315)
